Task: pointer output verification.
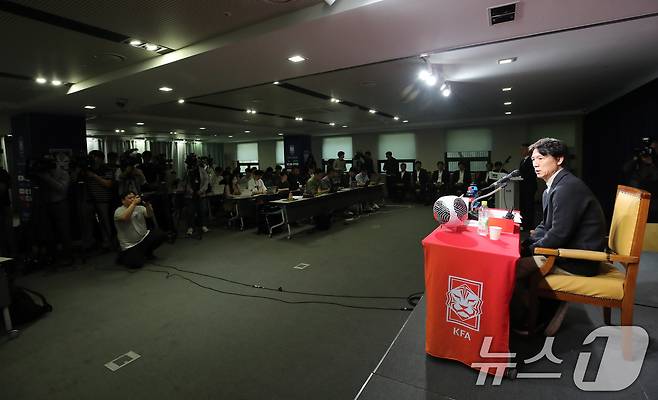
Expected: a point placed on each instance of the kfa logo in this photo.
(464, 303)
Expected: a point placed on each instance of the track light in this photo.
(445, 90)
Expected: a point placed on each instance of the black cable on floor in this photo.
(280, 289)
(170, 275)
(646, 305)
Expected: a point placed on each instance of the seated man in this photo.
(136, 240)
(313, 183)
(255, 185)
(327, 184)
(572, 219)
(362, 177)
(420, 180)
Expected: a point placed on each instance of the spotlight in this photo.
(332, 123)
(116, 131)
(506, 89)
(446, 91)
(165, 89)
(276, 82)
(56, 82)
(508, 113)
(372, 111)
(202, 128)
(431, 80)
(405, 121)
(335, 100)
(507, 103)
(140, 123)
(280, 134)
(135, 42)
(296, 58)
(89, 107)
(506, 60)
(181, 101)
(396, 118)
(247, 131)
(299, 119)
(151, 47)
(230, 136)
(344, 126)
(41, 80)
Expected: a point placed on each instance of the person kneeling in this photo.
(136, 240)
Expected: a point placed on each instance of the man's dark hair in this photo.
(284, 172)
(388, 153)
(498, 164)
(549, 146)
(462, 162)
(418, 162)
(126, 194)
(341, 153)
(96, 153)
(258, 172)
(439, 162)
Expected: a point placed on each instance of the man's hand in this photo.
(136, 200)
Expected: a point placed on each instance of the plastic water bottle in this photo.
(483, 219)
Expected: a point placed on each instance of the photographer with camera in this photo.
(99, 182)
(136, 240)
(130, 178)
(194, 186)
(642, 172)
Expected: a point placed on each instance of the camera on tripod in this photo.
(645, 148)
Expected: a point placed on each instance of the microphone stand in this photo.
(485, 196)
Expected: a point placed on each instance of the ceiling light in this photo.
(56, 82)
(165, 89)
(507, 103)
(335, 100)
(506, 89)
(405, 121)
(296, 58)
(250, 111)
(506, 60)
(135, 42)
(276, 82)
(431, 80)
(230, 136)
(175, 133)
(332, 123)
(423, 55)
(372, 111)
(247, 131)
(140, 123)
(89, 107)
(280, 134)
(181, 101)
(344, 126)
(396, 118)
(508, 113)
(41, 80)
(151, 47)
(116, 131)
(424, 74)
(299, 119)
(202, 128)
(122, 130)
(446, 91)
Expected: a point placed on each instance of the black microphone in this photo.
(503, 181)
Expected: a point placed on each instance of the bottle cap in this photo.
(484, 203)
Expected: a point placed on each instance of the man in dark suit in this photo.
(392, 169)
(460, 179)
(573, 218)
(440, 180)
(420, 179)
(403, 183)
(527, 189)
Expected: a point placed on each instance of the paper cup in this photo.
(494, 232)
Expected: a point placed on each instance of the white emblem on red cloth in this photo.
(464, 302)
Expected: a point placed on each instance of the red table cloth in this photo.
(469, 280)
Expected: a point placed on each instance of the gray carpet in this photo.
(200, 344)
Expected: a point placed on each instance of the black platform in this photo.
(406, 372)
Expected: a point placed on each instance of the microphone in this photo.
(503, 181)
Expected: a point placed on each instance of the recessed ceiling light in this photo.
(56, 82)
(116, 131)
(250, 111)
(335, 100)
(396, 118)
(165, 89)
(507, 103)
(41, 80)
(508, 113)
(202, 128)
(276, 82)
(280, 134)
(506, 60)
(405, 121)
(230, 136)
(344, 126)
(181, 101)
(332, 123)
(506, 89)
(423, 55)
(372, 111)
(151, 47)
(247, 131)
(90, 107)
(215, 134)
(135, 42)
(140, 123)
(296, 58)
(123, 130)
(299, 119)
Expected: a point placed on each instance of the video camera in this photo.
(645, 148)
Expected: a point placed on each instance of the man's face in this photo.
(439, 166)
(403, 167)
(545, 166)
(462, 166)
(128, 199)
(418, 166)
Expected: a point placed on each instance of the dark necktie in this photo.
(544, 199)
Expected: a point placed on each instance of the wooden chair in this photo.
(611, 288)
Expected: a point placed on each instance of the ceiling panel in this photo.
(171, 23)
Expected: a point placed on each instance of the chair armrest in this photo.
(586, 255)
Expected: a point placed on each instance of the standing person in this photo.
(369, 163)
(136, 240)
(339, 163)
(6, 236)
(527, 189)
(572, 218)
(99, 182)
(392, 170)
(194, 186)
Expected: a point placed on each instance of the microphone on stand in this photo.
(503, 181)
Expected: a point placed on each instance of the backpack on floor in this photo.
(24, 308)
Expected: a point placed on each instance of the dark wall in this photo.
(610, 135)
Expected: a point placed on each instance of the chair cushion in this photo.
(608, 284)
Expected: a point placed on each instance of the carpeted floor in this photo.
(200, 344)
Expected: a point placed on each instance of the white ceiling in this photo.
(569, 59)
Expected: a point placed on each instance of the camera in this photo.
(645, 148)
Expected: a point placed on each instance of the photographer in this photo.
(130, 178)
(194, 186)
(99, 182)
(642, 173)
(6, 235)
(136, 240)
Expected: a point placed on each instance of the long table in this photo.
(301, 208)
